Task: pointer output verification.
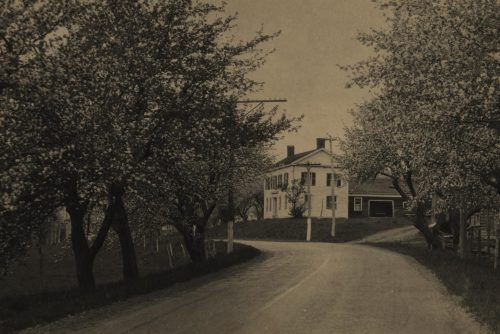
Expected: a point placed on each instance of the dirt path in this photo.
(292, 288)
(396, 234)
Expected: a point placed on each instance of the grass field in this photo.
(295, 229)
(57, 272)
(473, 280)
(61, 298)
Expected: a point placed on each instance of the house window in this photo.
(358, 204)
(329, 202)
(280, 181)
(268, 185)
(338, 180)
(303, 178)
(279, 203)
(285, 181)
(275, 182)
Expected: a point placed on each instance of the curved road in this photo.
(292, 288)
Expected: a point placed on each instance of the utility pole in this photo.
(433, 209)
(462, 243)
(308, 166)
(230, 194)
(230, 223)
(309, 223)
(333, 184)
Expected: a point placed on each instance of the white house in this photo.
(294, 167)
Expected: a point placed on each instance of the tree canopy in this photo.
(108, 101)
(432, 124)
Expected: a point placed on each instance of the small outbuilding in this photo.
(375, 198)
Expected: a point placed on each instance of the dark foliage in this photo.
(19, 312)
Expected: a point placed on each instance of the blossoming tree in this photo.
(433, 122)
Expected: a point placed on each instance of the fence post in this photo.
(169, 254)
(183, 250)
(479, 236)
(462, 237)
(497, 245)
(213, 250)
(496, 226)
(206, 244)
(170, 249)
(488, 235)
(230, 236)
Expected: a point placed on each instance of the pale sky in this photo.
(316, 35)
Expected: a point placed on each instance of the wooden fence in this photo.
(172, 244)
(483, 234)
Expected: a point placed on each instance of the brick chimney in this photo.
(290, 151)
(320, 143)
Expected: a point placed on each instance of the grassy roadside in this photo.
(18, 312)
(295, 229)
(54, 270)
(473, 280)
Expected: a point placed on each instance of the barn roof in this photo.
(378, 186)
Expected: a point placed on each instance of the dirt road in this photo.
(395, 234)
(292, 288)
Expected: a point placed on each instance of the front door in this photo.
(275, 207)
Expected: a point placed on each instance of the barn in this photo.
(374, 198)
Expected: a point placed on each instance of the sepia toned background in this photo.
(316, 36)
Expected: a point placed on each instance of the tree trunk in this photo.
(462, 249)
(455, 225)
(244, 216)
(260, 214)
(85, 272)
(421, 224)
(40, 265)
(83, 259)
(195, 244)
(121, 227)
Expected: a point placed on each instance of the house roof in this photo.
(379, 186)
(293, 158)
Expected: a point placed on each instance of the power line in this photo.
(263, 101)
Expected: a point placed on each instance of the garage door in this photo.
(381, 208)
